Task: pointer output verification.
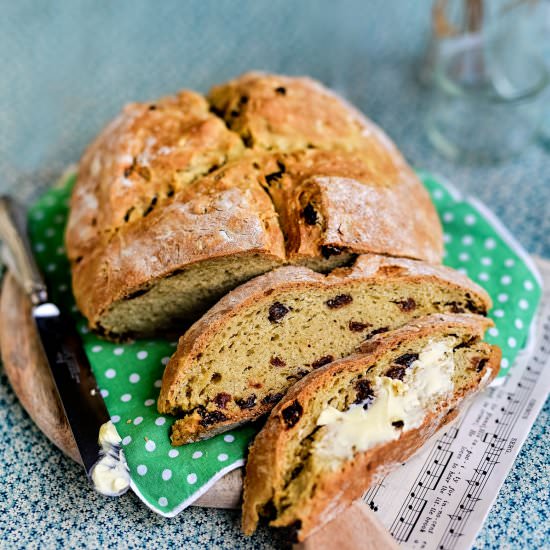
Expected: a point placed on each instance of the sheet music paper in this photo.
(440, 498)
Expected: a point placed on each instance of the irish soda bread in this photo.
(240, 358)
(179, 200)
(346, 425)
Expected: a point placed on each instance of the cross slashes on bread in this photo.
(241, 357)
(179, 200)
(347, 424)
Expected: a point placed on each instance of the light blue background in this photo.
(67, 67)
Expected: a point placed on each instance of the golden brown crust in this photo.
(147, 174)
(367, 268)
(276, 112)
(336, 490)
(224, 214)
(368, 198)
(147, 152)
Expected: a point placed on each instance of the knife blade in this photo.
(71, 371)
(77, 387)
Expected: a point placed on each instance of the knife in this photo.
(95, 436)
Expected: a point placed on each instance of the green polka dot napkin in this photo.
(167, 478)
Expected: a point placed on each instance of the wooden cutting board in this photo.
(30, 378)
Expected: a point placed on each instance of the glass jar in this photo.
(489, 82)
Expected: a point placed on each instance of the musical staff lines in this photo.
(438, 499)
(427, 480)
(511, 400)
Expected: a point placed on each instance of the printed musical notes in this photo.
(427, 480)
(439, 498)
(514, 398)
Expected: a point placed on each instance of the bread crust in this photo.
(136, 157)
(338, 489)
(371, 199)
(216, 219)
(136, 213)
(367, 268)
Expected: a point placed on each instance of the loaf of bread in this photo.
(347, 424)
(240, 358)
(180, 200)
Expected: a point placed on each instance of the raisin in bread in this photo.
(179, 200)
(346, 425)
(236, 362)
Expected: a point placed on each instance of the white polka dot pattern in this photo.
(490, 244)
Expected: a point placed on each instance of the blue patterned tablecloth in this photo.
(67, 67)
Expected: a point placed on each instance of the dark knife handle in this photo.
(17, 250)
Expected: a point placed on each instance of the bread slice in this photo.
(238, 360)
(347, 424)
(181, 199)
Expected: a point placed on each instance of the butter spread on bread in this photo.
(294, 483)
(394, 405)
